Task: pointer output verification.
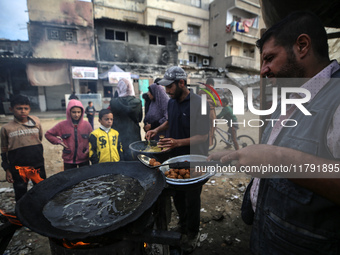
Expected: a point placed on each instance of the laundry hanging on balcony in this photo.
(240, 26)
(231, 27)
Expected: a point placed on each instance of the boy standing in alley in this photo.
(90, 112)
(104, 141)
(21, 147)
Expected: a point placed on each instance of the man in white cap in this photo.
(188, 134)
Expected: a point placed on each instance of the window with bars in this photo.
(69, 36)
(157, 40)
(193, 30)
(115, 35)
(60, 34)
(54, 35)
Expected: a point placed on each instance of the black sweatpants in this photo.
(188, 206)
(20, 186)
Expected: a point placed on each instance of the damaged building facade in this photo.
(14, 55)
(143, 51)
(74, 44)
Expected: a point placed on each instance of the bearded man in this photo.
(299, 212)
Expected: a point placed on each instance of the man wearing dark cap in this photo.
(188, 134)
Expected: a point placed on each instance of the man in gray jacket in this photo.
(300, 213)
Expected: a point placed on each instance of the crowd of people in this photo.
(289, 215)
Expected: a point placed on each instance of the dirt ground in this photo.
(222, 229)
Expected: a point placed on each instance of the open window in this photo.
(157, 40)
(111, 34)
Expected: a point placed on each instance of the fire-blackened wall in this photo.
(61, 29)
(120, 41)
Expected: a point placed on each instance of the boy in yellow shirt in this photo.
(104, 141)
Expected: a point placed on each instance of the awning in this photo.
(48, 74)
(199, 54)
(114, 68)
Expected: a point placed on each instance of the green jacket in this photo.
(227, 114)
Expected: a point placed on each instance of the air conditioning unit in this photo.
(186, 62)
(205, 62)
(180, 61)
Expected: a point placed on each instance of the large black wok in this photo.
(29, 209)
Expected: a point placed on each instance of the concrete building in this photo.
(234, 29)
(61, 36)
(190, 18)
(14, 55)
(141, 50)
(74, 44)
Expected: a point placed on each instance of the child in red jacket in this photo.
(73, 134)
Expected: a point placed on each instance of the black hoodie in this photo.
(127, 113)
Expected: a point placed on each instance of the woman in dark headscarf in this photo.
(158, 109)
(127, 113)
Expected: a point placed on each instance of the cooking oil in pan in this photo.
(94, 203)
